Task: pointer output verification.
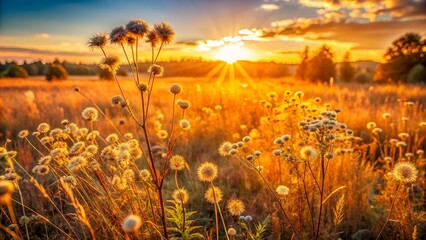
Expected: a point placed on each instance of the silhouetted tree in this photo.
(417, 74)
(403, 54)
(301, 69)
(346, 70)
(321, 67)
(15, 71)
(56, 71)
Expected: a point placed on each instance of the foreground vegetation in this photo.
(228, 159)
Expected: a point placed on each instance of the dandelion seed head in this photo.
(213, 195)
(308, 152)
(76, 163)
(177, 162)
(405, 172)
(207, 172)
(43, 128)
(98, 40)
(164, 31)
(180, 195)
(282, 190)
(235, 207)
(77, 148)
(185, 124)
(24, 220)
(176, 88)
(132, 223)
(112, 138)
(224, 148)
(156, 70)
(90, 114)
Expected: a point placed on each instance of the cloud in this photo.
(269, 7)
(41, 35)
(43, 51)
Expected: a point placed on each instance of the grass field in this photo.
(307, 179)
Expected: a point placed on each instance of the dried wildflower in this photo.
(109, 153)
(246, 138)
(77, 148)
(277, 152)
(91, 149)
(279, 141)
(298, 94)
(110, 63)
(45, 160)
(176, 88)
(184, 124)
(43, 128)
(180, 195)
(118, 35)
(112, 138)
(213, 195)
(92, 135)
(377, 131)
(77, 163)
(257, 153)
(41, 169)
(156, 70)
(90, 114)
(308, 152)
(401, 144)
(152, 38)
(46, 140)
(128, 136)
(123, 104)
(143, 87)
(97, 40)
(177, 162)
(233, 152)
(405, 172)
(371, 125)
(386, 115)
(6, 189)
(403, 135)
(70, 180)
(138, 27)
(65, 122)
(23, 134)
(24, 220)
(224, 149)
(162, 134)
(132, 223)
(164, 32)
(144, 174)
(232, 232)
(207, 172)
(282, 190)
(235, 207)
(183, 104)
(115, 100)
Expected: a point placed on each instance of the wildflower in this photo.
(184, 124)
(137, 27)
(401, 144)
(97, 40)
(177, 162)
(213, 195)
(224, 149)
(376, 131)
(279, 141)
(156, 70)
(23, 134)
(246, 139)
(240, 144)
(162, 134)
(298, 94)
(43, 128)
(207, 172)
(257, 153)
(70, 180)
(110, 63)
(371, 125)
(90, 114)
(386, 115)
(176, 88)
(405, 172)
(403, 135)
(132, 223)
(56, 133)
(115, 100)
(128, 136)
(6, 190)
(248, 218)
(112, 138)
(65, 122)
(46, 140)
(235, 207)
(232, 232)
(109, 154)
(45, 160)
(123, 103)
(277, 152)
(118, 35)
(218, 108)
(164, 32)
(180, 195)
(285, 137)
(282, 190)
(143, 87)
(152, 38)
(92, 135)
(91, 149)
(233, 152)
(41, 169)
(77, 163)
(144, 174)
(77, 148)
(249, 158)
(308, 152)
(183, 104)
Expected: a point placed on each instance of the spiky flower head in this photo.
(164, 31)
(97, 40)
(224, 148)
(235, 207)
(405, 172)
(177, 162)
(207, 172)
(118, 35)
(143, 87)
(152, 38)
(132, 223)
(138, 27)
(308, 152)
(90, 114)
(43, 128)
(23, 134)
(110, 63)
(180, 196)
(213, 195)
(112, 138)
(282, 190)
(185, 124)
(77, 148)
(156, 70)
(176, 88)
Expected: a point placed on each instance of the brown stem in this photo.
(390, 213)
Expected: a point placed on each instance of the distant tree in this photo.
(15, 71)
(362, 76)
(56, 71)
(301, 69)
(321, 67)
(417, 74)
(346, 70)
(403, 54)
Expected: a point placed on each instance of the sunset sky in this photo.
(212, 29)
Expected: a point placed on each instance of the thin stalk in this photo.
(23, 211)
(390, 213)
(321, 198)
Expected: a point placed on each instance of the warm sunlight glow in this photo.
(232, 53)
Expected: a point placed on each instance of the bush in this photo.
(15, 71)
(362, 77)
(56, 71)
(417, 74)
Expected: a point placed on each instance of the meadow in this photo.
(208, 158)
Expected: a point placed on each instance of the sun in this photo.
(232, 53)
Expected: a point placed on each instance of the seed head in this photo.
(177, 162)
(23, 134)
(176, 88)
(180, 196)
(156, 70)
(43, 128)
(152, 38)
(308, 152)
(386, 115)
(143, 87)
(282, 190)
(405, 172)
(97, 40)
(232, 232)
(164, 32)
(246, 139)
(207, 172)
(110, 63)
(213, 195)
(90, 114)
(138, 27)
(224, 149)
(118, 35)
(235, 207)
(185, 124)
(371, 125)
(115, 100)
(132, 223)
(183, 104)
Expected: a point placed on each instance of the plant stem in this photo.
(390, 213)
(321, 197)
